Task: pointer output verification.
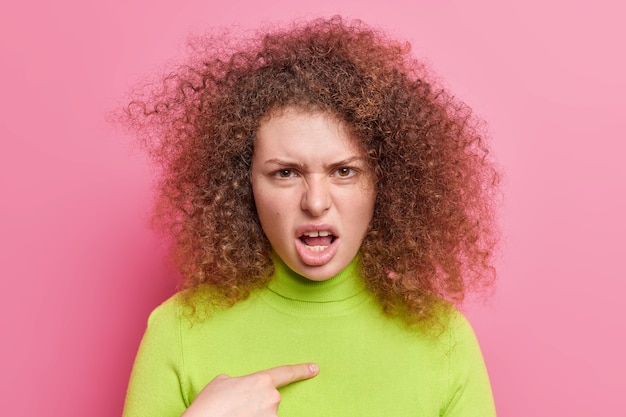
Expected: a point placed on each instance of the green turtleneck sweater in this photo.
(370, 365)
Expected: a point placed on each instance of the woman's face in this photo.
(313, 190)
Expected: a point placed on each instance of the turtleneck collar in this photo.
(290, 291)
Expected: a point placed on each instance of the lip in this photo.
(316, 258)
(307, 228)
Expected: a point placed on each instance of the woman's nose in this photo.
(316, 197)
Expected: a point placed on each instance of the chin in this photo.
(319, 273)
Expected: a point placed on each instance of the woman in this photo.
(328, 206)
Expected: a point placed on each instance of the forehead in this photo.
(296, 130)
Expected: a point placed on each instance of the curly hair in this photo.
(433, 231)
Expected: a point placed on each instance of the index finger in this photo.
(287, 374)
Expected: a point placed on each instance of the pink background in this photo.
(81, 270)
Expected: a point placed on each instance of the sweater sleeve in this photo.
(155, 387)
(469, 390)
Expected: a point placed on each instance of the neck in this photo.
(291, 285)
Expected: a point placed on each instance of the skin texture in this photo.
(308, 175)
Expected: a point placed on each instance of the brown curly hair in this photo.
(433, 230)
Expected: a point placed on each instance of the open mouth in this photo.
(317, 241)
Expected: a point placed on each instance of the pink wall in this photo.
(81, 271)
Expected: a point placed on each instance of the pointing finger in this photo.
(287, 374)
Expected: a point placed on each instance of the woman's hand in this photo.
(254, 395)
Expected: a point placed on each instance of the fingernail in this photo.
(314, 368)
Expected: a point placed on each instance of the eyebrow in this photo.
(337, 164)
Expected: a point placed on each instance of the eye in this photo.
(345, 172)
(285, 173)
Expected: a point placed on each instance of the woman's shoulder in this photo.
(191, 308)
(456, 321)
(458, 336)
(445, 320)
(167, 313)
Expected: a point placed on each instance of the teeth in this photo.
(316, 248)
(322, 233)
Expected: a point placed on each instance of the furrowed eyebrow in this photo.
(282, 163)
(343, 162)
(338, 164)
(346, 162)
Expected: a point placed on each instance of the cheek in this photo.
(269, 213)
(266, 202)
(273, 203)
(366, 213)
(366, 202)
